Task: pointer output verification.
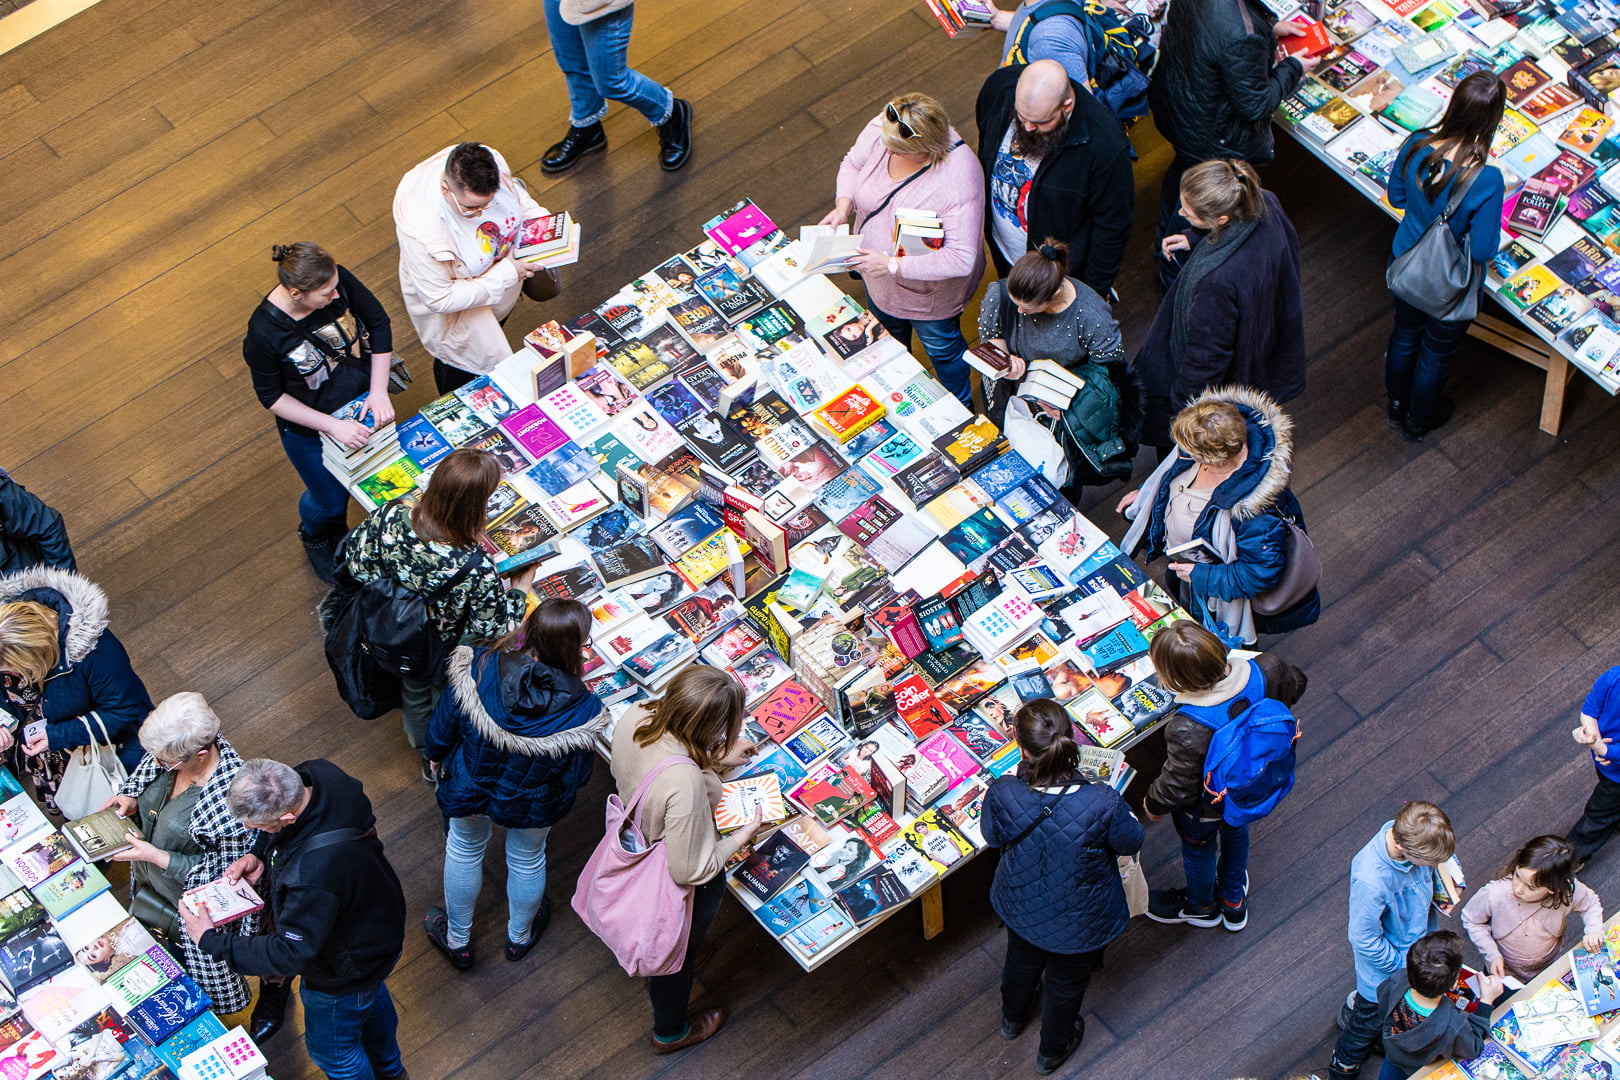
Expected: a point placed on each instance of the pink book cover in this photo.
(907, 635)
(949, 757)
(741, 229)
(533, 430)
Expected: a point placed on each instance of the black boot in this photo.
(319, 550)
(270, 1011)
(579, 142)
(1397, 413)
(675, 136)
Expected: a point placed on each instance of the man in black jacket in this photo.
(336, 911)
(1192, 663)
(1056, 164)
(31, 533)
(1214, 90)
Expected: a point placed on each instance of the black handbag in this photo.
(367, 689)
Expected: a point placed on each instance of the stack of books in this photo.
(378, 450)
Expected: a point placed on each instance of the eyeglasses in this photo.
(466, 212)
(892, 114)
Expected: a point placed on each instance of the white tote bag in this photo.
(92, 776)
(1034, 443)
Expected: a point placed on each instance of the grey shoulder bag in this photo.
(1438, 275)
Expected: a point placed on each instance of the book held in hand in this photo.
(989, 360)
(222, 901)
(99, 835)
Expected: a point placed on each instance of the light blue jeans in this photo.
(595, 64)
(464, 876)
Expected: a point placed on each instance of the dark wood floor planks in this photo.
(154, 149)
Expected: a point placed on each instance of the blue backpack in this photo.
(1250, 763)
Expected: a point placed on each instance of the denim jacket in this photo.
(1391, 906)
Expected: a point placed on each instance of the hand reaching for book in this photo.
(351, 434)
(248, 868)
(1289, 28)
(838, 214)
(380, 408)
(1173, 243)
(122, 805)
(1125, 503)
(1016, 366)
(1592, 943)
(1491, 987)
(141, 851)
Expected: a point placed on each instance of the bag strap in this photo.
(1046, 812)
(95, 750)
(887, 199)
(1459, 190)
(633, 807)
(455, 579)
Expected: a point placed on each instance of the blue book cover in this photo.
(1001, 475)
(1116, 648)
(197, 1034)
(610, 529)
(1030, 686)
(895, 453)
(795, 905)
(563, 468)
(421, 441)
(975, 537)
(674, 402)
(168, 1009)
(868, 440)
(1028, 499)
(843, 494)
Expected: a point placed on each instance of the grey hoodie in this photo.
(1448, 1032)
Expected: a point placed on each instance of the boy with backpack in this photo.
(1228, 761)
(1391, 907)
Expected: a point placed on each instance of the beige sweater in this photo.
(679, 808)
(1526, 936)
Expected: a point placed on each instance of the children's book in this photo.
(1596, 980)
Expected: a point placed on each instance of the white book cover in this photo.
(647, 434)
(572, 409)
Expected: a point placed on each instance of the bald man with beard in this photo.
(1056, 165)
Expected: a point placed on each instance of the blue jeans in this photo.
(352, 1036)
(464, 876)
(1419, 359)
(324, 505)
(595, 66)
(942, 340)
(1199, 840)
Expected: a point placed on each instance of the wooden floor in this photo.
(154, 149)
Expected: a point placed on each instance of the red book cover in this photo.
(837, 797)
(1314, 42)
(788, 708)
(907, 635)
(922, 712)
(869, 520)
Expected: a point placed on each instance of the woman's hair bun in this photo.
(1049, 250)
(279, 252)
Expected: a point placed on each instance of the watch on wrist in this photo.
(894, 266)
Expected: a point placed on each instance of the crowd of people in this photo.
(506, 728)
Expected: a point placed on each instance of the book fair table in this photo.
(731, 463)
(85, 990)
(1387, 70)
(1547, 1030)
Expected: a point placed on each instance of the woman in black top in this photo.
(317, 342)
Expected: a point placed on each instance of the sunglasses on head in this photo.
(892, 114)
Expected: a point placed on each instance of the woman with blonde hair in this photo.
(910, 157)
(1225, 484)
(184, 836)
(433, 549)
(61, 665)
(688, 736)
(1233, 316)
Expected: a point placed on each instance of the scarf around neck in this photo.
(1205, 259)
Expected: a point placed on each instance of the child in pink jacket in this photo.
(1518, 920)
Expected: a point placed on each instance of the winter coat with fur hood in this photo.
(514, 738)
(93, 677)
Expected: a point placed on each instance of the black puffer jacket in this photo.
(1215, 87)
(31, 533)
(1180, 785)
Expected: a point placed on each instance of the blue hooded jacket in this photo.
(93, 677)
(1258, 498)
(514, 738)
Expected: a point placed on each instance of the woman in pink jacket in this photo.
(911, 158)
(456, 215)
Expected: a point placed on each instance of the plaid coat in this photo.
(223, 840)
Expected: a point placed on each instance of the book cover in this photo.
(846, 415)
(737, 229)
(32, 956)
(25, 1054)
(948, 756)
(799, 902)
(486, 400)
(1596, 980)
(836, 796)
(815, 741)
(869, 520)
(974, 538)
(716, 440)
(563, 468)
(873, 895)
(818, 933)
(741, 799)
(700, 616)
(421, 441)
(35, 858)
(927, 478)
(970, 445)
(19, 911)
(771, 865)
(938, 840)
(919, 709)
(535, 432)
(167, 1009)
(786, 709)
(71, 886)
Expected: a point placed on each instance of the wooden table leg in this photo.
(933, 913)
(1517, 341)
(1552, 398)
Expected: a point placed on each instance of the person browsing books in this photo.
(316, 342)
(512, 742)
(1431, 166)
(183, 836)
(425, 547)
(1391, 906)
(456, 215)
(1194, 664)
(31, 533)
(1039, 312)
(1518, 920)
(910, 158)
(1057, 886)
(1225, 484)
(1420, 1023)
(1055, 162)
(1599, 727)
(700, 718)
(1233, 315)
(336, 906)
(61, 667)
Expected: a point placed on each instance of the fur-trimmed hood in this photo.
(1263, 477)
(80, 605)
(556, 709)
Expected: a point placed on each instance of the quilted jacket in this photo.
(514, 737)
(1058, 888)
(31, 533)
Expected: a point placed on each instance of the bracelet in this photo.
(894, 266)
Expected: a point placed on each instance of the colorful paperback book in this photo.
(201, 1031)
(69, 887)
(937, 838)
(774, 862)
(32, 956)
(873, 895)
(534, 432)
(421, 441)
(835, 796)
(786, 709)
(25, 1054)
(486, 400)
(817, 933)
(948, 756)
(741, 799)
(1597, 980)
(800, 901)
(575, 410)
(167, 1009)
(921, 712)
(37, 857)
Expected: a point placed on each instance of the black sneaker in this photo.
(675, 136)
(1170, 906)
(437, 925)
(1044, 1065)
(542, 919)
(1235, 918)
(578, 143)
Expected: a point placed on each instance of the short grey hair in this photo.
(180, 726)
(263, 790)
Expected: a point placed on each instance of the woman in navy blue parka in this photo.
(59, 663)
(512, 743)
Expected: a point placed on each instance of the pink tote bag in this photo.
(626, 896)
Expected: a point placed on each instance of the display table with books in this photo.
(86, 992)
(731, 463)
(1565, 1024)
(1389, 69)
